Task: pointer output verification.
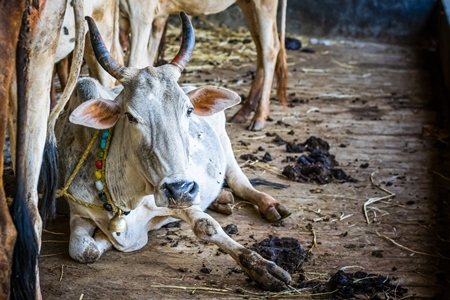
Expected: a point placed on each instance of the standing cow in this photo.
(145, 20)
(151, 156)
(107, 14)
(28, 113)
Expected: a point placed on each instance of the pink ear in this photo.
(96, 113)
(208, 100)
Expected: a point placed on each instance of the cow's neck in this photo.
(103, 140)
(127, 172)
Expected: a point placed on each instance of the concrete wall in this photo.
(390, 20)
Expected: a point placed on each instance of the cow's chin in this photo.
(161, 201)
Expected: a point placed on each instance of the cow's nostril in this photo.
(194, 189)
(180, 192)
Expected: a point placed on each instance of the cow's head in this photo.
(152, 114)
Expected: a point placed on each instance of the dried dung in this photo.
(348, 285)
(286, 252)
(358, 285)
(316, 165)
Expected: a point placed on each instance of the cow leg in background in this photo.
(61, 69)
(45, 28)
(53, 89)
(266, 273)
(124, 41)
(10, 21)
(261, 20)
(157, 39)
(281, 68)
(138, 54)
(140, 34)
(162, 48)
(43, 49)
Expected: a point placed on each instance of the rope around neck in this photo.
(64, 191)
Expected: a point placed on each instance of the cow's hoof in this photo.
(265, 273)
(256, 125)
(276, 212)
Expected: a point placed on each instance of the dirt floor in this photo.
(372, 103)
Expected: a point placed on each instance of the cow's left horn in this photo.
(187, 44)
(102, 54)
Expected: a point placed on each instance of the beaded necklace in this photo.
(100, 184)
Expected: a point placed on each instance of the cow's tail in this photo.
(49, 169)
(23, 277)
(281, 65)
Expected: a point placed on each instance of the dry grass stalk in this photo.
(314, 243)
(261, 165)
(375, 199)
(409, 249)
(54, 254)
(292, 293)
(52, 232)
(54, 241)
(440, 175)
(62, 272)
(240, 204)
(189, 288)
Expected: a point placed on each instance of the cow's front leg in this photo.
(84, 247)
(264, 272)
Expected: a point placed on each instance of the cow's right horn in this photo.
(187, 44)
(102, 54)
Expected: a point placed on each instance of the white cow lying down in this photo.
(160, 155)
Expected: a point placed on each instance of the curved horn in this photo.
(104, 58)
(187, 44)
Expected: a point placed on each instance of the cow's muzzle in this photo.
(180, 194)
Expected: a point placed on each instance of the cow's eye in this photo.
(190, 110)
(131, 118)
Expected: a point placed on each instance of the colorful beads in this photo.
(102, 144)
(98, 174)
(102, 197)
(99, 185)
(99, 164)
(107, 206)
